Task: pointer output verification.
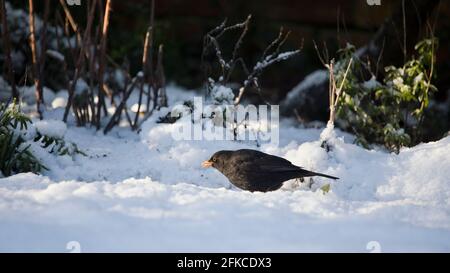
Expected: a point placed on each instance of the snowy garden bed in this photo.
(148, 192)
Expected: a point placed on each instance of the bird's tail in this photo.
(309, 173)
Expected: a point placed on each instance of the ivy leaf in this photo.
(325, 188)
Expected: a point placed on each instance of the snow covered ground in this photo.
(148, 192)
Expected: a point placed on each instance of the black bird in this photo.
(256, 171)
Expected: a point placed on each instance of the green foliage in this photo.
(325, 188)
(388, 113)
(58, 146)
(411, 84)
(15, 156)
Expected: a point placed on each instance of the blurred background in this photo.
(181, 24)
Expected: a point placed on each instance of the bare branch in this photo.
(227, 67)
(102, 62)
(323, 57)
(145, 67)
(161, 78)
(145, 55)
(274, 43)
(70, 19)
(219, 28)
(149, 76)
(43, 40)
(80, 60)
(252, 78)
(36, 69)
(241, 38)
(116, 116)
(334, 91)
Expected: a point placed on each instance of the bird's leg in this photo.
(296, 183)
(310, 182)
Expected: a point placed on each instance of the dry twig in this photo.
(36, 68)
(102, 62)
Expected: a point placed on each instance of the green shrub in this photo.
(15, 153)
(388, 113)
(15, 156)
(58, 146)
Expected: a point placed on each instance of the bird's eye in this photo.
(214, 159)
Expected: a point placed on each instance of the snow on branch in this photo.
(271, 55)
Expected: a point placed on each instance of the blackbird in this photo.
(256, 171)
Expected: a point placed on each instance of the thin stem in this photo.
(36, 69)
(102, 61)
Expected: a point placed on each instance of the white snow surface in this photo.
(52, 128)
(148, 192)
(222, 94)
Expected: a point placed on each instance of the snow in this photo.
(56, 55)
(313, 79)
(81, 86)
(148, 192)
(28, 94)
(273, 59)
(60, 100)
(222, 94)
(372, 83)
(51, 128)
(142, 108)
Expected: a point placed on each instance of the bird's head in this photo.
(217, 160)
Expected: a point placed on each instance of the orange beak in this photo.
(206, 164)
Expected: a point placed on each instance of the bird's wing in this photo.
(271, 163)
(279, 168)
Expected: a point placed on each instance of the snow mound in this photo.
(51, 128)
(222, 95)
(28, 94)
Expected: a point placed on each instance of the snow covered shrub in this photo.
(15, 156)
(17, 136)
(222, 95)
(58, 146)
(49, 135)
(389, 113)
(177, 112)
(219, 69)
(225, 88)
